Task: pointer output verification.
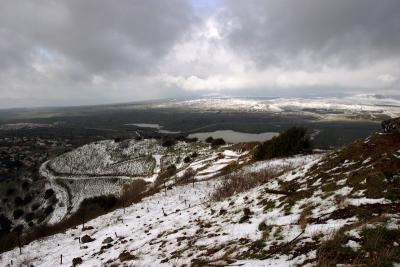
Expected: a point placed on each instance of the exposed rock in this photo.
(126, 256)
(107, 240)
(86, 239)
(76, 261)
(87, 228)
(106, 247)
(391, 125)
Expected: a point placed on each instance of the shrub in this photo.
(333, 251)
(49, 192)
(18, 213)
(29, 217)
(168, 143)
(76, 261)
(209, 139)
(131, 192)
(48, 210)
(35, 206)
(241, 181)
(106, 202)
(262, 226)
(192, 140)
(293, 141)
(187, 159)
(187, 176)
(217, 142)
(171, 170)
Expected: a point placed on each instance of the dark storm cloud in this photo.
(99, 35)
(96, 51)
(341, 32)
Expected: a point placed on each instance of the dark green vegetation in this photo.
(291, 142)
(89, 208)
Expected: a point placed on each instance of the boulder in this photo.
(126, 256)
(391, 125)
(107, 240)
(86, 239)
(76, 261)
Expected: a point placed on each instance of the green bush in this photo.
(217, 142)
(262, 226)
(187, 159)
(293, 141)
(209, 139)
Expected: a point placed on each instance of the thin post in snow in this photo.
(19, 242)
(83, 221)
(61, 259)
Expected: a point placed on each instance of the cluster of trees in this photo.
(291, 142)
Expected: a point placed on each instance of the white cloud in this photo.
(387, 78)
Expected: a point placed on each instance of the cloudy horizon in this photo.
(61, 53)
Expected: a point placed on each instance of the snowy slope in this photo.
(327, 211)
(153, 237)
(104, 167)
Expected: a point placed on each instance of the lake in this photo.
(235, 137)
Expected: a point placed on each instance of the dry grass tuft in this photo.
(242, 181)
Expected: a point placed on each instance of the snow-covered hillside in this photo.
(191, 227)
(371, 107)
(104, 167)
(325, 210)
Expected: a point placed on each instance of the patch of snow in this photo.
(363, 201)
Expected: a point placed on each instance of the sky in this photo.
(79, 52)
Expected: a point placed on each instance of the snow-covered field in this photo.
(104, 167)
(321, 107)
